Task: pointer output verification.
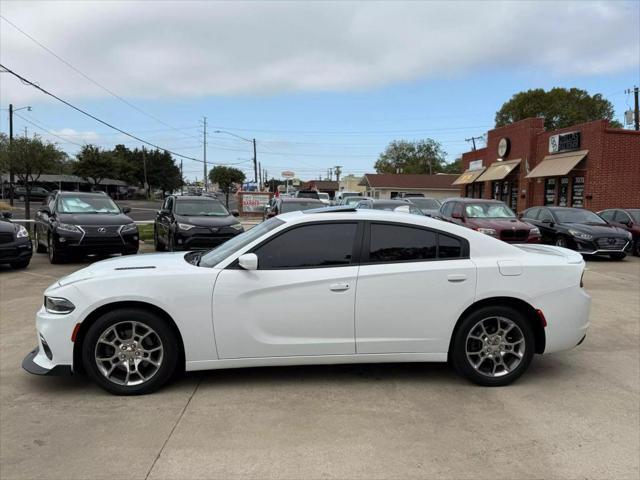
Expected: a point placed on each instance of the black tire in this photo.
(39, 247)
(21, 264)
(617, 256)
(169, 345)
(55, 257)
(172, 246)
(462, 363)
(561, 242)
(636, 248)
(160, 247)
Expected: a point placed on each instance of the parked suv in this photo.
(83, 223)
(15, 244)
(491, 217)
(193, 223)
(20, 193)
(627, 219)
(580, 230)
(287, 204)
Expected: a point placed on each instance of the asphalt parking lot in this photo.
(572, 415)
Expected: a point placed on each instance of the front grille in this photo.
(514, 235)
(6, 238)
(611, 243)
(101, 235)
(102, 230)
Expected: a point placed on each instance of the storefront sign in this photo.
(564, 142)
(550, 191)
(288, 174)
(254, 202)
(503, 147)
(577, 192)
(475, 165)
(563, 197)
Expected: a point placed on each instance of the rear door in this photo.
(413, 284)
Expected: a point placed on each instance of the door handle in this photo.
(339, 287)
(457, 278)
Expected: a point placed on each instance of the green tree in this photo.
(453, 167)
(225, 177)
(402, 156)
(94, 164)
(30, 158)
(560, 108)
(162, 172)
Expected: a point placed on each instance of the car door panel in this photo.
(285, 312)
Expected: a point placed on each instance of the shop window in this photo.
(550, 191)
(513, 197)
(468, 190)
(563, 196)
(577, 192)
(497, 190)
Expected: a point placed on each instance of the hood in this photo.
(203, 221)
(93, 218)
(148, 263)
(499, 224)
(597, 230)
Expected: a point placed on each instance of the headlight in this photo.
(58, 305)
(534, 231)
(579, 234)
(236, 226)
(488, 231)
(185, 226)
(66, 227)
(129, 227)
(22, 232)
(629, 236)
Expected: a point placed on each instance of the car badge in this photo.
(612, 241)
(102, 230)
(214, 229)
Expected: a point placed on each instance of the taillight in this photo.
(541, 317)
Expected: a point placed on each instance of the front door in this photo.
(412, 287)
(300, 300)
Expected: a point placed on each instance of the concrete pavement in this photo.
(572, 415)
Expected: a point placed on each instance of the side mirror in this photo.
(546, 221)
(7, 215)
(235, 213)
(248, 261)
(126, 210)
(45, 210)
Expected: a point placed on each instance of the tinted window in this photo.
(329, 244)
(608, 215)
(393, 243)
(87, 204)
(201, 208)
(532, 213)
(449, 247)
(298, 206)
(447, 208)
(621, 216)
(576, 215)
(545, 215)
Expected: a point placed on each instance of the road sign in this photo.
(288, 174)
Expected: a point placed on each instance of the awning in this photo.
(468, 177)
(498, 170)
(558, 165)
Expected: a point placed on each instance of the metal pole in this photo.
(205, 155)
(11, 172)
(636, 108)
(181, 180)
(255, 163)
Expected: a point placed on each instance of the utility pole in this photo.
(473, 139)
(11, 172)
(144, 166)
(181, 180)
(205, 153)
(259, 177)
(338, 171)
(636, 108)
(255, 163)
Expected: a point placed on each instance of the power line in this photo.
(78, 71)
(358, 132)
(47, 131)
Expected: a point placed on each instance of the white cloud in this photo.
(74, 136)
(185, 49)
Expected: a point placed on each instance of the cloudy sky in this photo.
(316, 83)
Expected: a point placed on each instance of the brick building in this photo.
(390, 185)
(588, 165)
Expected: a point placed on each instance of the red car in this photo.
(491, 217)
(628, 219)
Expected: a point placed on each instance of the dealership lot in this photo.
(567, 417)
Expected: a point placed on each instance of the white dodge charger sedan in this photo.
(328, 286)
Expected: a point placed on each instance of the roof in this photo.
(417, 181)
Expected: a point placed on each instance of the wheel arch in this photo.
(516, 303)
(90, 319)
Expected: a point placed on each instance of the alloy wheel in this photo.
(129, 353)
(495, 346)
(561, 242)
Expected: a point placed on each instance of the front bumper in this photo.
(85, 243)
(15, 251)
(29, 364)
(594, 247)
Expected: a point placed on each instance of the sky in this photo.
(317, 84)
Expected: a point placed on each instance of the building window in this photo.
(577, 192)
(563, 196)
(550, 191)
(513, 197)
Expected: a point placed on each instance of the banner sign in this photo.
(254, 202)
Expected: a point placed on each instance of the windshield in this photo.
(299, 206)
(578, 216)
(218, 254)
(426, 203)
(87, 204)
(323, 196)
(201, 208)
(488, 210)
(390, 206)
(635, 214)
(353, 200)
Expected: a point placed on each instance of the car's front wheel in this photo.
(20, 264)
(130, 352)
(493, 346)
(55, 256)
(39, 247)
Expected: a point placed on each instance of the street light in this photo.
(255, 160)
(11, 172)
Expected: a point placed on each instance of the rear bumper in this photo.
(15, 251)
(30, 365)
(567, 315)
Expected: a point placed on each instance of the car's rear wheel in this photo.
(493, 346)
(617, 256)
(130, 352)
(160, 247)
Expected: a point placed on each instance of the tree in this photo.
(94, 164)
(162, 172)
(453, 167)
(225, 177)
(560, 108)
(30, 158)
(422, 156)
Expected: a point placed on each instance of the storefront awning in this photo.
(498, 170)
(558, 165)
(468, 177)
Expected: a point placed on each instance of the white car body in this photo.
(393, 312)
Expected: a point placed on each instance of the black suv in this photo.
(15, 244)
(192, 223)
(83, 223)
(20, 193)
